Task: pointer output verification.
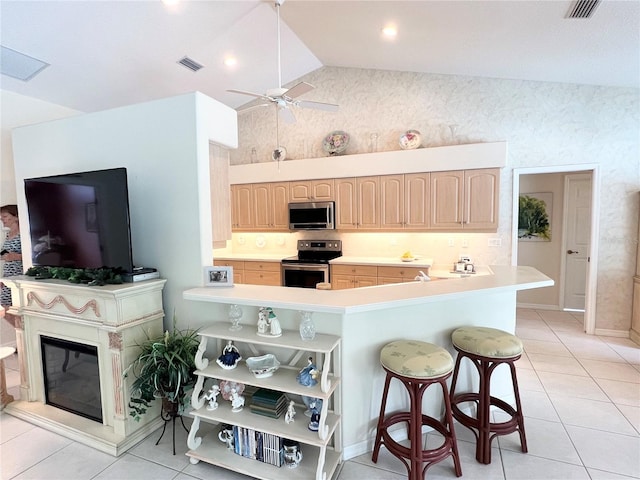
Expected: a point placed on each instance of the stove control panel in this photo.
(320, 245)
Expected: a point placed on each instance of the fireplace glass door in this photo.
(72, 377)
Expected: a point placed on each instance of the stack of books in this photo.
(261, 446)
(268, 403)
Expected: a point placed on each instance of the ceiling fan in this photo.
(285, 98)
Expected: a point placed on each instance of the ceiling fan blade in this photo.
(329, 107)
(286, 115)
(251, 94)
(298, 89)
(248, 108)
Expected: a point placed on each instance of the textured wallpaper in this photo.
(545, 124)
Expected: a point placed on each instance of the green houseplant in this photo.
(163, 369)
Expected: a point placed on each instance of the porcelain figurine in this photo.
(230, 356)
(314, 423)
(291, 412)
(308, 375)
(263, 322)
(274, 323)
(212, 396)
(237, 401)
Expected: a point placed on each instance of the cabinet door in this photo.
(279, 206)
(392, 205)
(300, 191)
(260, 206)
(322, 190)
(342, 282)
(481, 198)
(220, 195)
(241, 207)
(346, 204)
(368, 202)
(417, 201)
(364, 281)
(447, 200)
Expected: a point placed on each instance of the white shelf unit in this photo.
(322, 450)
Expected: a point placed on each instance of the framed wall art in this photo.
(534, 217)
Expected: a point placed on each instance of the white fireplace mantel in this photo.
(113, 318)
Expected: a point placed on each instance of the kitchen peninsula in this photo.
(367, 318)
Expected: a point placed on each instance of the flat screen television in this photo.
(80, 220)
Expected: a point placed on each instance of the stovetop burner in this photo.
(316, 251)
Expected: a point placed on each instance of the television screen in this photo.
(80, 220)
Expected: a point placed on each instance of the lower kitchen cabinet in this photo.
(253, 272)
(387, 275)
(353, 276)
(322, 450)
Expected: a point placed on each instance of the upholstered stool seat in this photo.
(487, 348)
(417, 365)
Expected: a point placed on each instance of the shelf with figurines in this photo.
(219, 395)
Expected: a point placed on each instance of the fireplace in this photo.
(71, 377)
(74, 343)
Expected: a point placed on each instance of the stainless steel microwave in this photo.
(312, 216)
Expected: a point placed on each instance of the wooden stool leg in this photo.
(383, 405)
(416, 390)
(483, 448)
(519, 416)
(449, 422)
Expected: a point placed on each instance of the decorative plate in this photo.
(336, 142)
(279, 154)
(410, 140)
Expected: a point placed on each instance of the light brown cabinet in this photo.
(260, 206)
(238, 268)
(358, 203)
(387, 275)
(404, 201)
(311, 190)
(353, 276)
(262, 273)
(465, 199)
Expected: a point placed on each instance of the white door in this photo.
(577, 229)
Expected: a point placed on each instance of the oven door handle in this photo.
(305, 267)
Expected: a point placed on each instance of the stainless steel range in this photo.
(311, 265)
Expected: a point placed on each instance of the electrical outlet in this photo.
(241, 240)
(494, 242)
(465, 243)
(452, 242)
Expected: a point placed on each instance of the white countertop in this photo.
(504, 279)
(254, 257)
(419, 262)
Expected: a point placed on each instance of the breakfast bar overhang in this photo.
(368, 318)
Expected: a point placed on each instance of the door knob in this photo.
(572, 251)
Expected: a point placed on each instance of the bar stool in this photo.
(487, 348)
(417, 365)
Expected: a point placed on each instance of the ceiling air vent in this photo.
(582, 8)
(190, 64)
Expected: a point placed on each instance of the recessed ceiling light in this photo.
(230, 61)
(390, 31)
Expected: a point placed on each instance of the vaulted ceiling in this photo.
(105, 54)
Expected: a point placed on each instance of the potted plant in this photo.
(163, 369)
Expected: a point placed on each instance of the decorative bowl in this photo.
(263, 366)
(407, 259)
(336, 142)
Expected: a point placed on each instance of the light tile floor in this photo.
(581, 400)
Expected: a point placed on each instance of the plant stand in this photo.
(169, 414)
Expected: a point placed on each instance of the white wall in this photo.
(164, 145)
(544, 124)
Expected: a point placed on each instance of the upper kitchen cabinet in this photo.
(260, 206)
(269, 206)
(465, 200)
(357, 203)
(311, 190)
(404, 201)
(241, 212)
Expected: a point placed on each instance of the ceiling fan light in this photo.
(230, 61)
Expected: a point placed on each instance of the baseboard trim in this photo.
(536, 306)
(607, 332)
(635, 336)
